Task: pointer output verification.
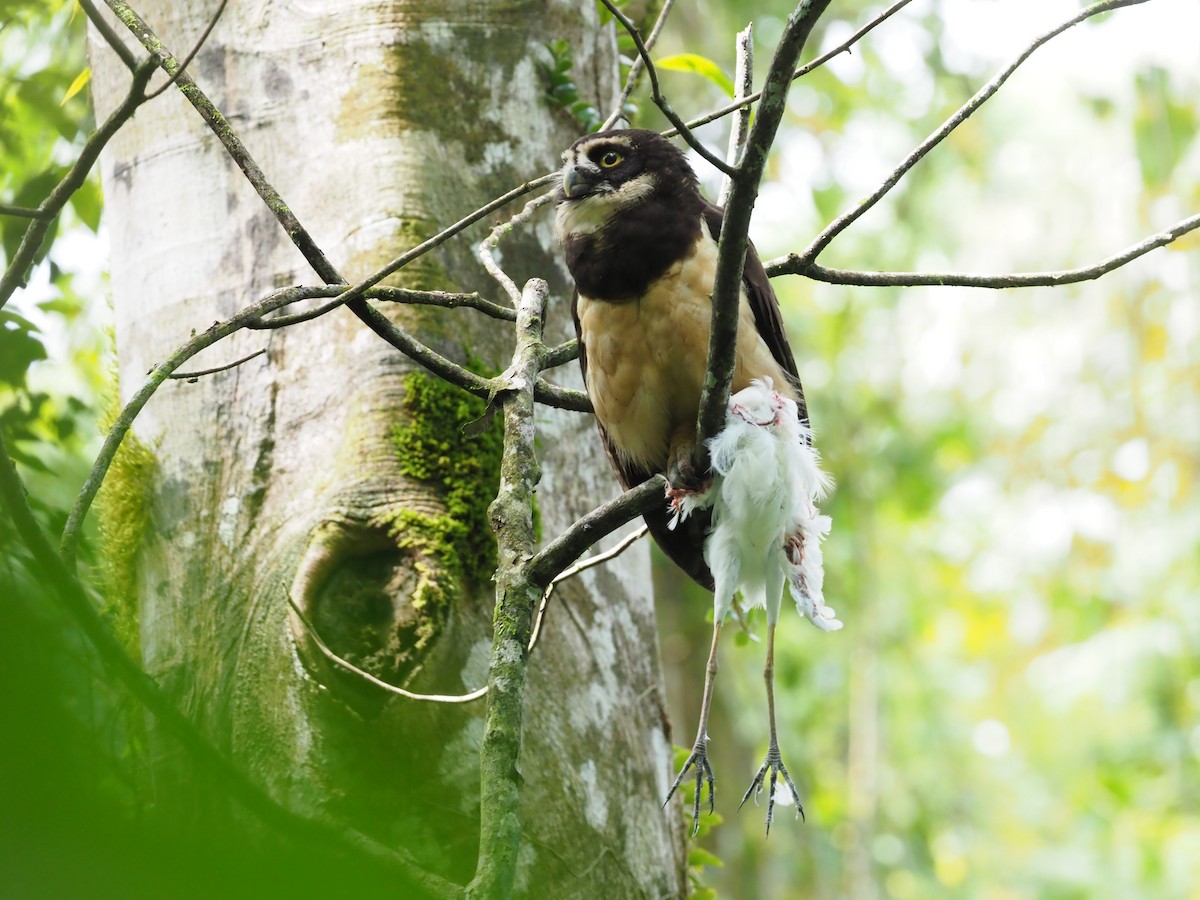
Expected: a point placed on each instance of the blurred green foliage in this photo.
(1013, 708)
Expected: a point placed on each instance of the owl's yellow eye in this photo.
(610, 159)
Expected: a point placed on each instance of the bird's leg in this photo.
(774, 762)
(698, 759)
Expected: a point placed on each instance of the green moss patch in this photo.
(124, 509)
(464, 470)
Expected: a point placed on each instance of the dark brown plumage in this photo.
(629, 228)
(641, 243)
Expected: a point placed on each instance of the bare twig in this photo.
(192, 376)
(624, 544)
(743, 79)
(792, 265)
(568, 546)
(489, 243)
(212, 23)
(731, 251)
(367, 676)
(109, 34)
(743, 102)
(446, 299)
(840, 224)
(635, 70)
(663, 104)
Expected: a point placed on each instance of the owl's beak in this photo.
(577, 182)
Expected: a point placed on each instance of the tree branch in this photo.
(187, 60)
(793, 265)
(23, 212)
(517, 597)
(822, 240)
(582, 565)
(600, 522)
(743, 79)
(366, 676)
(566, 352)
(635, 70)
(192, 376)
(445, 299)
(489, 243)
(109, 34)
(731, 250)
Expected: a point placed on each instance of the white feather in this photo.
(766, 528)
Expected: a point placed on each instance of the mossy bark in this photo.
(329, 469)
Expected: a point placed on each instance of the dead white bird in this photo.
(766, 532)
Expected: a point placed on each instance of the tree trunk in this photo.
(334, 468)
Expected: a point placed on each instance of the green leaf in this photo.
(87, 202)
(699, 65)
(698, 857)
(18, 348)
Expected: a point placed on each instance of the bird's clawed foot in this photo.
(698, 760)
(686, 491)
(773, 764)
(684, 478)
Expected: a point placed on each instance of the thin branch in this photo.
(35, 233)
(731, 248)
(570, 545)
(489, 244)
(317, 833)
(550, 394)
(681, 129)
(743, 78)
(367, 676)
(444, 299)
(23, 212)
(109, 34)
(793, 265)
(566, 352)
(212, 23)
(743, 102)
(441, 237)
(159, 374)
(583, 564)
(822, 240)
(635, 70)
(544, 392)
(192, 376)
